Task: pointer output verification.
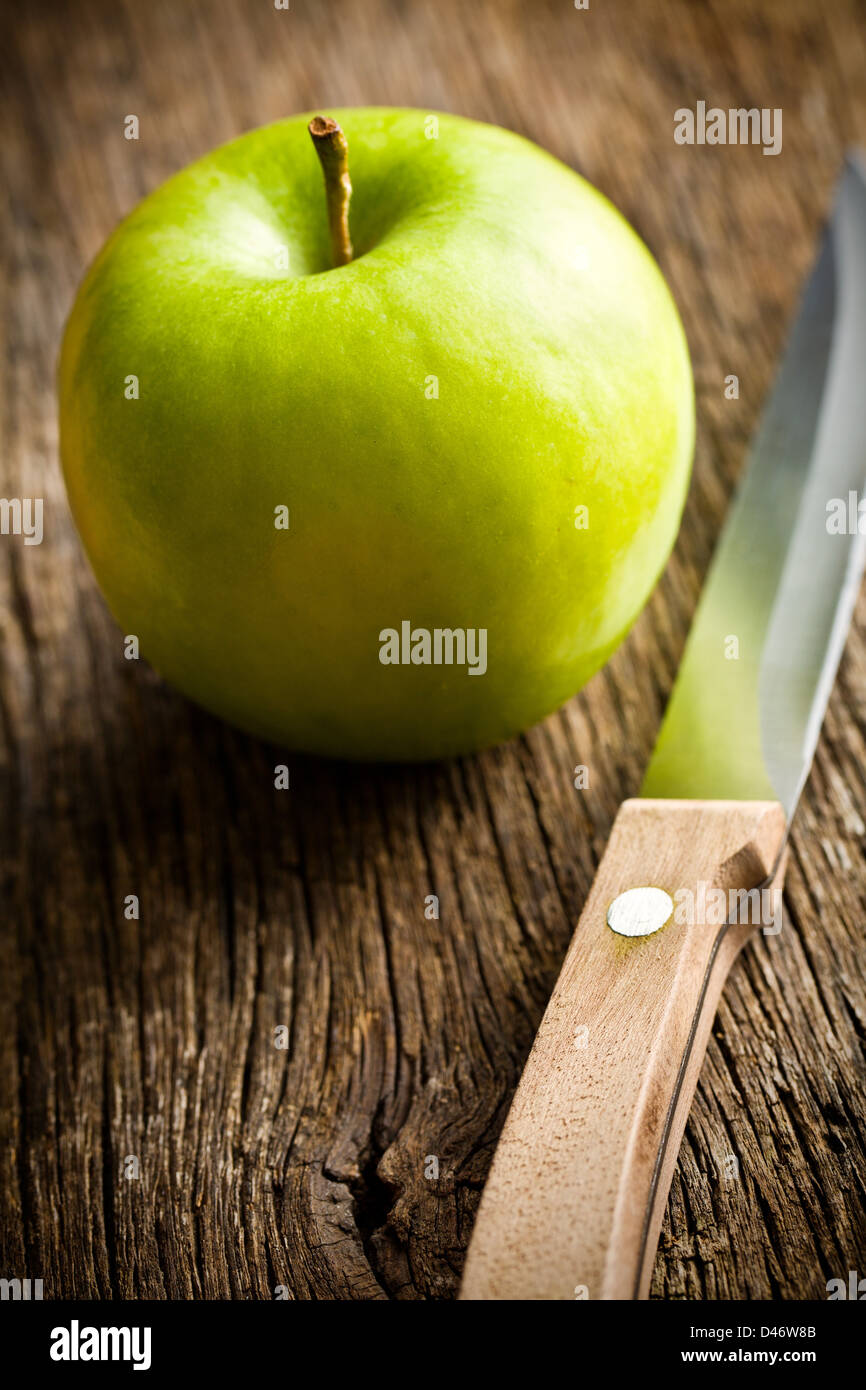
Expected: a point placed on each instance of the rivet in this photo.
(640, 911)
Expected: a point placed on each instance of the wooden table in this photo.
(148, 1046)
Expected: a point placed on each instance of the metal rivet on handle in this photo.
(640, 911)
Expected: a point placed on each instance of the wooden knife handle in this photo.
(576, 1194)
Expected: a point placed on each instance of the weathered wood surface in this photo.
(306, 1167)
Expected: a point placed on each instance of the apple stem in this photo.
(333, 152)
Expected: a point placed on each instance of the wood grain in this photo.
(312, 1167)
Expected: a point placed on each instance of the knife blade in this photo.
(576, 1193)
(781, 583)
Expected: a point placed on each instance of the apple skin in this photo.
(564, 381)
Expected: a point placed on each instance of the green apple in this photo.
(292, 477)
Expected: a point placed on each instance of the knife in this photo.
(576, 1194)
